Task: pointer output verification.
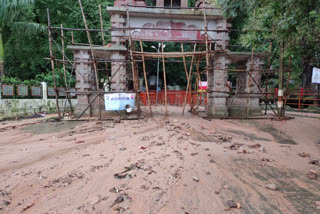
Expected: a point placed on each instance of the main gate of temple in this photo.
(133, 22)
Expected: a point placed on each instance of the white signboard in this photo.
(119, 101)
(316, 75)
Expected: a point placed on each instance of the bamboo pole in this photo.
(287, 85)
(198, 82)
(165, 80)
(72, 38)
(65, 73)
(251, 69)
(189, 77)
(135, 73)
(267, 74)
(99, 92)
(209, 84)
(70, 62)
(52, 64)
(280, 87)
(146, 28)
(103, 40)
(101, 26)
(92, 54)
(145, 79)
(184, 60)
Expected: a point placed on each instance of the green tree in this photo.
(294, 21)
(25, 54)
(10, 10)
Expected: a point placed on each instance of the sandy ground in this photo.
(161, 164)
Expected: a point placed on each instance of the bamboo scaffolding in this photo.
(171, 54)
(184, 59)
(145, 56)
(103, 40)
(135, 73)
(65, 75)
(267, 76)
(140, 28)
(72, 38)
(92, 54)
(198, 82)
(165, 80)
(189, 77)
(145, 78)
(165, 7)
(72, 64)
(99, 92)
(207, 51)
(251, 68)
(101, 26)
(287, 86)
(52, 64)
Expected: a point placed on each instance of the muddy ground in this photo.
(160, 165)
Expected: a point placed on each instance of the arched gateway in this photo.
(172, 21)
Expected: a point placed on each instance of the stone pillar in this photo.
(241, 78)
(85, 80)
(217, 79)
(44, 91)
(217, 101)
(118, 71)
(118, 68)
(254, 108)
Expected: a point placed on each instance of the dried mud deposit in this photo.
(161, 165)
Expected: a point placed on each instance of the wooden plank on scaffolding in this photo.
(171, 54)
(145, 78)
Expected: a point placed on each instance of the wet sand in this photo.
(161, 164)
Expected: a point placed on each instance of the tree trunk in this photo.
(1, 57)
(306, 72)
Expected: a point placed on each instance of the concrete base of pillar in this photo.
(94, 109)
(238, 107)
(79, 108)
(217, 107)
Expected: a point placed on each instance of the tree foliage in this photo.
(25, 53)
(297, 22)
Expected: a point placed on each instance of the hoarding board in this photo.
(316, 75)
(119, 101)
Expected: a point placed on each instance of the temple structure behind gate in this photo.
(172, 21)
